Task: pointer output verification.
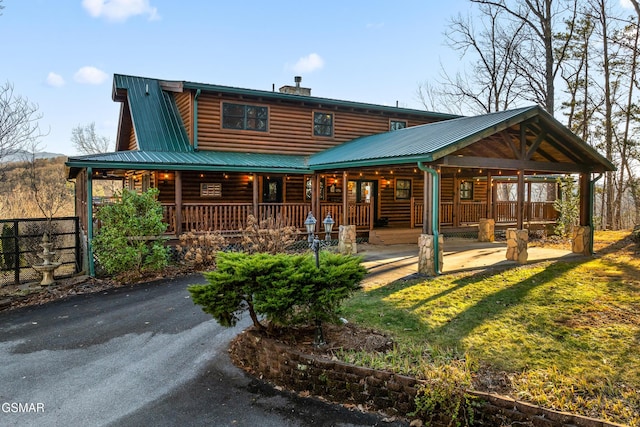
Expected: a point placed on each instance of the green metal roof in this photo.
(416, 143)
(163, 142)
(154, 114)
(195, 160)
(433, 141)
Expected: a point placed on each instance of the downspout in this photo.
(591, 190)
(195, 119)
(92, 269)
(435, 217)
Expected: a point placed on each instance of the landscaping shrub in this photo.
(8, 247)
(567, 206)
(131, 236)
(286, 289)
(270, 235)
(200, 250)
(443, 397)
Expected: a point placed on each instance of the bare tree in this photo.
(87, 141)
(491, 81)
(541, 19)
(18, 122)
(48, 186)
(577, 75)
(434, 97)
(493, 84)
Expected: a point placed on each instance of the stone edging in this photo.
(340, 382)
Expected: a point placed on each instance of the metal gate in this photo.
(20, 244)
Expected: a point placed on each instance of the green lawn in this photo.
(565, 335)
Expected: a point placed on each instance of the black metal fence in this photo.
(20, 241)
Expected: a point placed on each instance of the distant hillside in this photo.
(23, 155)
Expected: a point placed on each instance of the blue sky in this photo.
(62, 54)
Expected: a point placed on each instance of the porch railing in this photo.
(359, 214)
(445, 213)
(471, 212)
(229, 217)
(293, 214)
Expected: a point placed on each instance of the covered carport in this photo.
(520, 142)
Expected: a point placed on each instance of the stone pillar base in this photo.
(581, 242)
(517, 242)
(486, 230)
(347, 240)
(427, 255)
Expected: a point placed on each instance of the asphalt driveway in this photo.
(135, 356)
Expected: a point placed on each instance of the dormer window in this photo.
(245, 117)
(397, 124)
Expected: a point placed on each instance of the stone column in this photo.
(427, 254)
(581, 243)
(347, 240)
(486, 230)
(517, 241)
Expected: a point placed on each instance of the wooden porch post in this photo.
(427, 205)
(585, 200)
(178, 202)
(345, 200)
(528, 202)
(520, 201)
(256, 194)
(284, 189)
(315, 195)
(456, 200)
(489, 196)
(92, 269)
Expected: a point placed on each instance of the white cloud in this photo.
(90, 75)
(309, 63)
(55, 80)
(120, 10)
(626, 4)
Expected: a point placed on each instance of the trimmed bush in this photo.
(286, 289)
(131, 236)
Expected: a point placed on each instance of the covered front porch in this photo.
(370, 199)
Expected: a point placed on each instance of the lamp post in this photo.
(328, 226)
(314, 244)
(310, 223)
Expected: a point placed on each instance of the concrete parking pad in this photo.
(394, 262)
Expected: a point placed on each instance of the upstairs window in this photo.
(397, 124)
(322, 124)
(244, 117)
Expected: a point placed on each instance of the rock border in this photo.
(376, 390)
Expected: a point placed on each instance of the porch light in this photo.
(310, 223)
(328, 226)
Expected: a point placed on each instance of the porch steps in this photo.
(394, 236)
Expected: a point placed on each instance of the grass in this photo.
(565, 335)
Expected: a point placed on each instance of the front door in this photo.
(272, 189)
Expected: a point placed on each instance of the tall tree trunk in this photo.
(608, 122)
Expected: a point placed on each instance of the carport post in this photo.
(435, 218)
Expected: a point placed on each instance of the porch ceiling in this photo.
(487, 141)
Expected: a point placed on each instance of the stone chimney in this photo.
(297, 89)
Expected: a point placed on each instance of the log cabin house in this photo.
(218, 154)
